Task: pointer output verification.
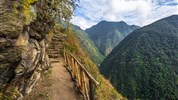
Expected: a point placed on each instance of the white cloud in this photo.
(139, 12)
(83, 23)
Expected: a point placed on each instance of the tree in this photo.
(47, 11)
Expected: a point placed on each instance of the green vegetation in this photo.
(26, 20)
(106, 35)
(85, 42)
(105, 91)
(88, 45)
(28, 14)
(40, 15)
(145, 64)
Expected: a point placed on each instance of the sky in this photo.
(133, 12)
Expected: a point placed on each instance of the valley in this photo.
(88, 50)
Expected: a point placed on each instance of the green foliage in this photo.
(28, 14)
(84, 40)
(105, 91)
(88, 45)
(69, 47)
(145, 64)
(41, 14)
(106, 35)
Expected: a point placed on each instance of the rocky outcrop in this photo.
(23, 56)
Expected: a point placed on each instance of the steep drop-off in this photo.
(145, 64)
(105, 90)
(88, 45)
(106, 35)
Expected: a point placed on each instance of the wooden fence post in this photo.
(92, 97)
(67, 60)
(77, 74)
(82, 80)
(86, 88)
(75, 70)
(72, 67)
(64, 55)
(85, 82)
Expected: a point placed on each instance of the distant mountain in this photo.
(88, 45)
(145, 64)
(106, 35)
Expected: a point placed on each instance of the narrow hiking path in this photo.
(56, 84)
(63, 87)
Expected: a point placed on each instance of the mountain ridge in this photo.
(106, 35)
(144, 64)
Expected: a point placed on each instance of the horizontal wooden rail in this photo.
(85, 82)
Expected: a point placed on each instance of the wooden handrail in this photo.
(85, 71)
(85, 82)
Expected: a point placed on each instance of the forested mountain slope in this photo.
(145, 64)
(88, 45)
(106, 35)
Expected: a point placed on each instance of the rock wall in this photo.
(23, 56)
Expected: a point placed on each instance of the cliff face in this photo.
(23, 56)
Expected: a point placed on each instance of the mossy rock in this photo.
(27, 11)
(11, 22)
(12, 54)
(36, 35)
(10, 59)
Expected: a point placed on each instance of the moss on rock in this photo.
(27, 11)
(10, 21)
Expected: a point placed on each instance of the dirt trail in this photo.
(63, 87)
(56, 84)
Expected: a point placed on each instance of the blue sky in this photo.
(138, 12)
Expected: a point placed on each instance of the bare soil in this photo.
(56, 84)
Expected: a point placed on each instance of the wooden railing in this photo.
(84, 81)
